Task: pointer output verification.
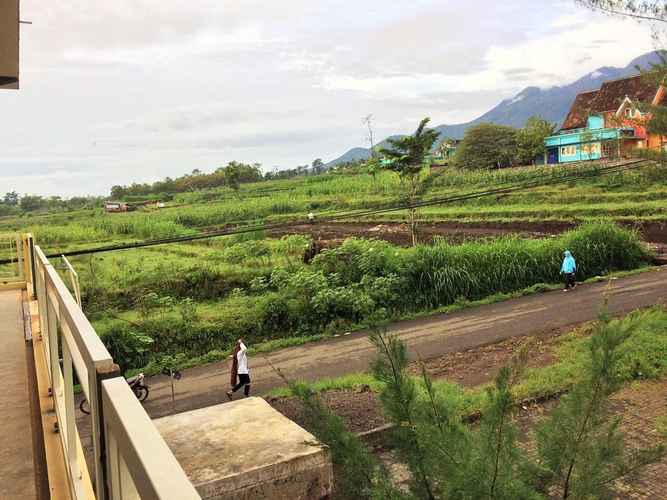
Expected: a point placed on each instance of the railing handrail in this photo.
(88, 342)
(145, 452)
(129, 454)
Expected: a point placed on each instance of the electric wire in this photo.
(508, 188)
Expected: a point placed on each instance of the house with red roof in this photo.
(609, 122)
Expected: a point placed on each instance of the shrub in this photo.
(127, 347)
(580, 447)
(357, 258)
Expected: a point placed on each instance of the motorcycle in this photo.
(136, 383)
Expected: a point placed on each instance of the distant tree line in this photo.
(12, 203)
(231, 175)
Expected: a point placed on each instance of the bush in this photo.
(127, 347)
(363, 279)
(357, 258)
(580, 447)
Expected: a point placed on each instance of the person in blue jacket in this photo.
(568, 268)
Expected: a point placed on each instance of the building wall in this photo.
(579, 152)
(9, 42)
(582, 144)
(595, 122)
(655, 142)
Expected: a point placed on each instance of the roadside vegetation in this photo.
(580, 449)
(195, 303)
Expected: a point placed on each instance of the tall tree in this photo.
(317, 165)
(11, 198)
(646, 10)
(530, 139)
(487, 146)
(368, 121)
(406, 157)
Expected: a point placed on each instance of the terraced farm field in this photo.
(186, 303)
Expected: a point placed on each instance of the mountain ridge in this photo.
(551, 103)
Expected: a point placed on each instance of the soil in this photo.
(361, 410)
(399, 233)
(477, 366)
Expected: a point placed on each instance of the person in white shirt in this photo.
(240, 369)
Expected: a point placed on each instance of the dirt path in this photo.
(428, 338)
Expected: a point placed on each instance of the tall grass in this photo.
(440, 274)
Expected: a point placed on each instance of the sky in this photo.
(129, 91)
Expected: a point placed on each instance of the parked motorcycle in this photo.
(136, 383)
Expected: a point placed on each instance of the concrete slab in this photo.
(247, 450)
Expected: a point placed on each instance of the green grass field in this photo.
(193, 299)
(635, 195)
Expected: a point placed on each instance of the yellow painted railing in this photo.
(130, 459)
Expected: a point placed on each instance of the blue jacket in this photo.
(569, 265)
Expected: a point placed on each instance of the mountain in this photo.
(353, 154)
(552, 104)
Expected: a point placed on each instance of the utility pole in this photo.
(368, 121)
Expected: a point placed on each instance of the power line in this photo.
(340, 216)
(510, 188)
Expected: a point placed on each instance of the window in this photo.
(628, 112)
(568, 150)
(591, 149)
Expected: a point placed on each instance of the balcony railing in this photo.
(130, 459)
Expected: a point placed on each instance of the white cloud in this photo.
(554, 57)
(123, 91)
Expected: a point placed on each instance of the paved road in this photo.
(426, 337)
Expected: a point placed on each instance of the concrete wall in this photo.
(246, 450)
(9, 43)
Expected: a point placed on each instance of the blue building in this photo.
(609, 122)
(592, 142)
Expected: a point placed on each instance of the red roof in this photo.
(609, 98)
(579, 111)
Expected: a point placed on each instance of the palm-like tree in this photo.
(407, 155)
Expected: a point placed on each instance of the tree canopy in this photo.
(406, 157)
(407, 153)
(530, 139)
(232, 175)
(488, 146)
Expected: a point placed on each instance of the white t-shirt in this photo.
(242, 360)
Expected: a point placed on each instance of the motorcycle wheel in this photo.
(83, 406)
(141, 392)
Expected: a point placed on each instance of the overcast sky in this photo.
(135, 90)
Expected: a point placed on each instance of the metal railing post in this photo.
(52, 334)
(72, 449)
(31, 256)
(19, 256)
(98, 429)
(130, 458)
